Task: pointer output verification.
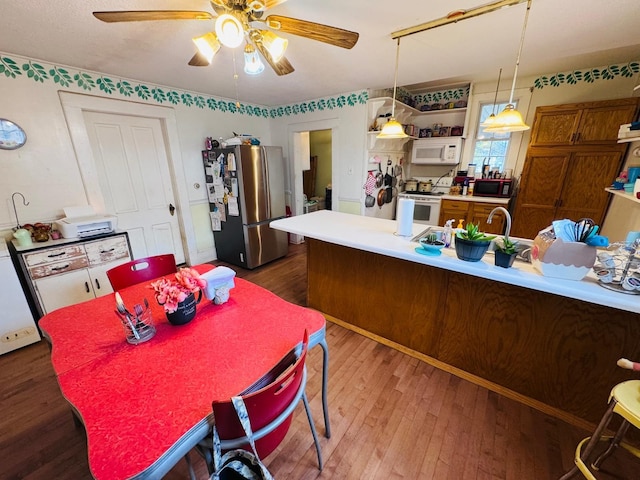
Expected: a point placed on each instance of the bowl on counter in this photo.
(427, 248)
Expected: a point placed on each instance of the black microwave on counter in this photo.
(492, 187)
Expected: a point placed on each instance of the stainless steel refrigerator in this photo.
(252, 178)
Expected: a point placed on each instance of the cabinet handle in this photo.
(86, 287)
(97, 284)
(62, 267)
(53, 255)
(107, 251)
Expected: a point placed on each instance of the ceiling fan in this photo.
(235, 23)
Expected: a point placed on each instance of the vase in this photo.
(504, 260)
(471, 250)
(186, 310)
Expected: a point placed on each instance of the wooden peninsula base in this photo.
(555, 353)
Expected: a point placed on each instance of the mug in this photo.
(23, 236)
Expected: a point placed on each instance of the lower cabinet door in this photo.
(100, 281)
(58, 291)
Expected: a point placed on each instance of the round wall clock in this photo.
(11, 135)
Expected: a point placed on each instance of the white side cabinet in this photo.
(69, 273)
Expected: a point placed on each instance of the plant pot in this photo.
(186, 310)
(504, 260)
(471, 250)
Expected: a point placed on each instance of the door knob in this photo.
(172, 209)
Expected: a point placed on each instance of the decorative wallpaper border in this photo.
(68, 77)
(87, 81)
(589, 75)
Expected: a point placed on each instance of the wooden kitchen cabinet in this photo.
(573, 156)
(587, 123)
(475, 212)
(66, 272)
(558, 184)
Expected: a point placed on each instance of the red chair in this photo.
(141, 270)
(270, 410)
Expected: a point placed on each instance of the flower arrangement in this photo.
(169, 293)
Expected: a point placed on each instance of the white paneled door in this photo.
(133, 172)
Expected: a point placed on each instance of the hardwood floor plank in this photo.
(392, 417)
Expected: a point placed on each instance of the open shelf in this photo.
(623, 194)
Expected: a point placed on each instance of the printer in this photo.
(81, 222)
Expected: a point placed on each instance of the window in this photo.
(490, 147)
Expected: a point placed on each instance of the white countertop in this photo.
(376, 235)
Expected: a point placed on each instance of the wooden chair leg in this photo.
(613, 445)
(593, 441)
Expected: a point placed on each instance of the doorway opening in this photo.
(316, 180)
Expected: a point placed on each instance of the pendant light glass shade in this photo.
(275, 45)
(208, 45)
(510, 120)
(229, 30)
(252, 63)
(393, 128)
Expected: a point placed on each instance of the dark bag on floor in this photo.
(238, 464)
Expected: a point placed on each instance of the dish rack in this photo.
(621, 260)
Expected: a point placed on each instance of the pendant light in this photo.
(510, 120)
(490, 120)
(393, 128)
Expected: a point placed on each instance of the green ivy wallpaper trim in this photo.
(131, 88)
(588, 75)
(451, 94)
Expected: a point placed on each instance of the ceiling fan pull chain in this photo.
(235, 79)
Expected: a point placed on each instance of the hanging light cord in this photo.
(515, 73)
(495, 99)
(395, 81)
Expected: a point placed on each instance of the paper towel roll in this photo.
(404, 217)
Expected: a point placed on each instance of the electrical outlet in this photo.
(17, 334)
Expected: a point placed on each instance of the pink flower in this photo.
(170, 293)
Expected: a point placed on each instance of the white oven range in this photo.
(427, 207)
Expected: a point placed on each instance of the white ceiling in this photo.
(561, 35)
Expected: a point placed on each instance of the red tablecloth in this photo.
(136, 401)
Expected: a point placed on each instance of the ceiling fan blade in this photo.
(272, 3)
(142, 15)
(315, 31)
(199, 60)
(283, 67)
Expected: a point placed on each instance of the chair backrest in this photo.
(141, 270)
(266, 407)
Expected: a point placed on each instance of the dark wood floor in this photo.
(392, 417)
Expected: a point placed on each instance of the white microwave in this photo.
(436, 151)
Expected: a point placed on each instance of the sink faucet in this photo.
(506, 214)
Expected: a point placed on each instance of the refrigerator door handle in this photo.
(265, 168)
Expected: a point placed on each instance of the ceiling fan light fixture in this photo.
(275, 45)
(252, 63)
(229, 30)
(208, 45)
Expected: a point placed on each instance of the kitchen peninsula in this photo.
(550, 343)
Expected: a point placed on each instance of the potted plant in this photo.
(472, 244)
(431, 245)
(505, 253)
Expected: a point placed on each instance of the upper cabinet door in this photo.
(554, 126)
(601, 124)
(587, 123)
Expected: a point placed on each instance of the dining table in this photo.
(144, 406)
